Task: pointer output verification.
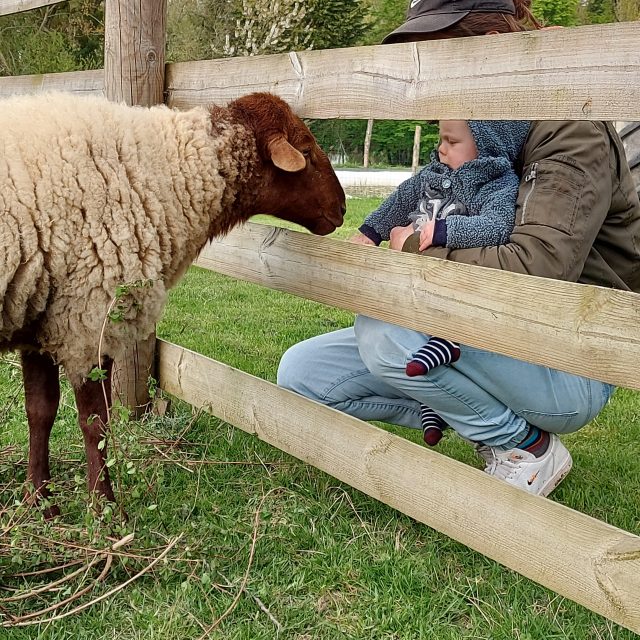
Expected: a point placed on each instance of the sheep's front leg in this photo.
(93, 415)
(42, 396)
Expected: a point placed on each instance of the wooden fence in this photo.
(565, 74)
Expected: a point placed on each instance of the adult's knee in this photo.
(381, 346)
(290, 367)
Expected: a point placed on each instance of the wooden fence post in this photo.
(134, 48)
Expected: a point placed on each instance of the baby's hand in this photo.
(360, 238)
(399, 235)
(426, 234)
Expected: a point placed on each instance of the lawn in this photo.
(222, 510)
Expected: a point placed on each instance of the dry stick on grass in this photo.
(30, 574)
(29, 617)
(20, 622)
(245, 579)
(56, 583)
(98, 555)
(259, 602)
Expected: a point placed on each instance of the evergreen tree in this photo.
(382, 17)
(556, 12)
(596, 12)
(336, 23)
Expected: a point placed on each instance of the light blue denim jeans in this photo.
(484, 396)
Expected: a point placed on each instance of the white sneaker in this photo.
(485, 452)
(522, 469)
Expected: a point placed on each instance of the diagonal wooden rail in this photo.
(591, 331)
(577, 556)
(8, 7)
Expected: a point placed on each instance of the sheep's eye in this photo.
(306, 153)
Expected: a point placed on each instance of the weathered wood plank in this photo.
(561, 74)
(134, 46)
(86, 82)
(591, 331)
(577, 556)
(8, 7)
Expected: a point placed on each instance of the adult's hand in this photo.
(399, 235)
(360, 238)
(426, 234)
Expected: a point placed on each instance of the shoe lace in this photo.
(504, 468)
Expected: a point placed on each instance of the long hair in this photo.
(479, 23)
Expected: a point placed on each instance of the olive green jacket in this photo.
(577, 212)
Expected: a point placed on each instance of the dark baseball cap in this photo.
(428, 16)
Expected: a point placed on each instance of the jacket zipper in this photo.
(530, 177)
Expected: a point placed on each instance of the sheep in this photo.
(95, 195)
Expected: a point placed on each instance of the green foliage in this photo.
(336, 23)
(64, 37)
(383, 17)
(556, 12)
(596, 12)
(391, 140)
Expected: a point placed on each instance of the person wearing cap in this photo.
(577, 219)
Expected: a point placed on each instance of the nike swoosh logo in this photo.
(532, 479)
(414, 3)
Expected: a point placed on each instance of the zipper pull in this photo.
(533, 172)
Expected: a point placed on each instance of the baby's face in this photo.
(457, 145)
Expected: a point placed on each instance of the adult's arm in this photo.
(563, 200)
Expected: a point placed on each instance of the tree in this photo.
(556, 12)
(336, 23)
(275, 26)
(382, 17)
(627, 10)
(64, 37)
(269, 26)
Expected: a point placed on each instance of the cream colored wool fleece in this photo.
(94, 195)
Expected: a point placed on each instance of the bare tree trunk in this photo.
(416, 150)
(367, 143)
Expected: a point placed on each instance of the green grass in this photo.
(329, 562)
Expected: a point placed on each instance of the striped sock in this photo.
(436, 352)
(536, 441)
(432, 425)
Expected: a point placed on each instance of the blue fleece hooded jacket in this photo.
(474, 204)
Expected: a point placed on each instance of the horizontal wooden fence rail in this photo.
(87, 82)
(8, 7)
(559, 74)
(567, 74)
(591, 331)
(577, 556)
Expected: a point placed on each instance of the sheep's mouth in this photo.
(326, 225)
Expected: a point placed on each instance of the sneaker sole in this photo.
(554, 481)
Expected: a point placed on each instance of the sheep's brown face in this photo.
(297, 183)
(307, 188)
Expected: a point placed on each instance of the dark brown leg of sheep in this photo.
(93, 415)
(42, 396)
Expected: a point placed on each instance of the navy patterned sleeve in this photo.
(394, 211)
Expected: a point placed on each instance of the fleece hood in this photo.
(499, 138)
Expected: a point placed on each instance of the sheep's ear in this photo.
(284, 155)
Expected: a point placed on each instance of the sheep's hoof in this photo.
(51, 512)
